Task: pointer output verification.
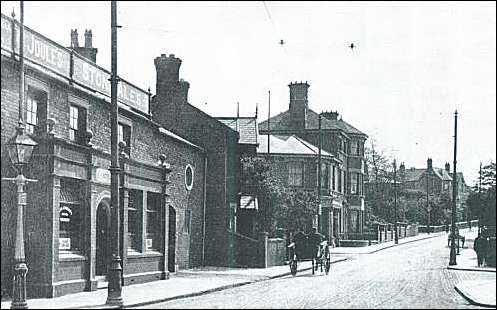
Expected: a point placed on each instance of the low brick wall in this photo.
(354, 243)
(276, 252)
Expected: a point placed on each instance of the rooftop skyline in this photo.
(412, 65)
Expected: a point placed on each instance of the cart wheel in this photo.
(327, 263)
(293, 267)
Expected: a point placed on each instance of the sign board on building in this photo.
(94, 77)
(6, 34)
(102, 175)
(43, 51)
(149, 243)
(64, 243)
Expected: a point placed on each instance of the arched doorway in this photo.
(103, 234)
(171, 253)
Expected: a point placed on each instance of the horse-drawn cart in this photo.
(303, 249)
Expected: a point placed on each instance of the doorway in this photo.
(102, 235)
(171, 249)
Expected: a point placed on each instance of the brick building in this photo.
(67, 217)
(295, 162)
(435, 181)
(339, 138)
(171, 109)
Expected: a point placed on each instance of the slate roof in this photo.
(282, 121)
(289, 144)
(414, 174)
(246, 127)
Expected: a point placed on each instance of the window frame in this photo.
(293, 173)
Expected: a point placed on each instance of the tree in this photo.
(481, 201)
(279, 206)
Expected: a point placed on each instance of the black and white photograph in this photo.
(248, 154)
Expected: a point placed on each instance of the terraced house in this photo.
(338, 138)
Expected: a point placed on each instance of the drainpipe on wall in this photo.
(203, 220)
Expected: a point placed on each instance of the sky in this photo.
(413, 64)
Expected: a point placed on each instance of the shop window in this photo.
(295, 173)
(153, 221)
(77, 124)
(135, 220)
(70, 218)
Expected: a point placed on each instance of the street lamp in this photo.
(20, 147)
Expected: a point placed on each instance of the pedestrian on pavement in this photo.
(480, 246)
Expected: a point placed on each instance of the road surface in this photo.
(411, 275)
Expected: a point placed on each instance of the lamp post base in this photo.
(19, 287)
(114, 289)
(452, 259)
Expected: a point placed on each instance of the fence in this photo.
(440, 228)
(262, 252)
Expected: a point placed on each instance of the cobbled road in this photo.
(412, 275)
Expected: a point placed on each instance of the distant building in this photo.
(295, 162)
(339, 138)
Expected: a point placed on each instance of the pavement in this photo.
(182, 284)
(382, 246)
(477, 292)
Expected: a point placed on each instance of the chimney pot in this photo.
(74, 38)
(88, 38)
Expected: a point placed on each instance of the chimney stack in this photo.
(74, 38)
(171, 91)
(331, 115)
(429, 164)
(402, 168)
(88, 38)
(298, 104)
(87, 51)
(447, 167)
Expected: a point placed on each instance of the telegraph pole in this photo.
(452, 260)
(428, 208)
(115, 270)
(479, 201)
(319, 176)
(395, 200)
(268, 122)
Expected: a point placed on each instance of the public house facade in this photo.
(67, 217)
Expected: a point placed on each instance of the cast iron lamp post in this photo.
(20, 148)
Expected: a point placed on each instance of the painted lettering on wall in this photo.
(42, 51)
(6, 34)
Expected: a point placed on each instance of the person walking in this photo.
(480, 247)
